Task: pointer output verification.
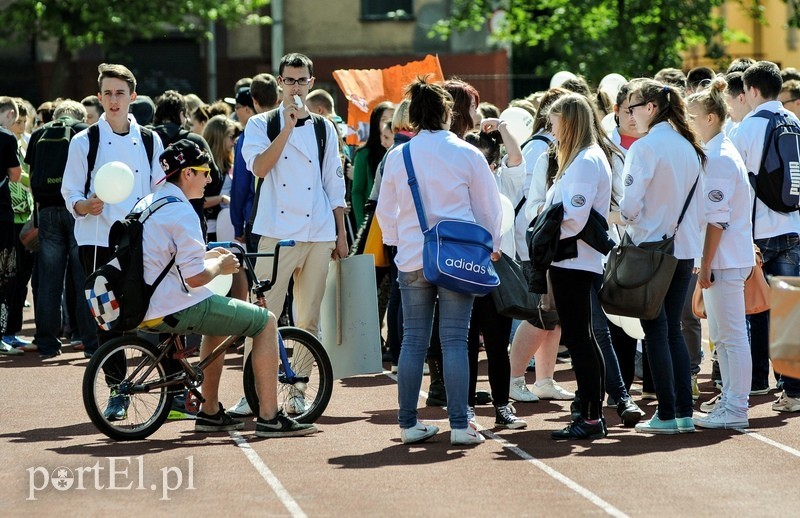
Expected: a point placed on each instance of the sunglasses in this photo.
(197, 170)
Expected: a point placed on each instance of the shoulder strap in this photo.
(686, 203)
(273, 129)
(146, 213)
(91, 157)
(412, 183)
(536, 137)
(519, 206)
(147, 140)
(321, 133)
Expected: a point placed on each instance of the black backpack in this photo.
(50, 159)
(117, 294)
(777, 183)
(273, 129)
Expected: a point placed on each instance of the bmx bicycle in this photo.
(149, 376)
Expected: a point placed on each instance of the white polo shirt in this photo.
(660, 169)
(509, 183)
(296, 200)
(173, 230)
(585, 185)
(455, 182)
(749, 140)
(726, 195)
(93, 230)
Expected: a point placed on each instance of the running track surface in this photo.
(357, 466)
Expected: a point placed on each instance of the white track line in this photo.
(283, 495)
(556, 475)
(759, 437)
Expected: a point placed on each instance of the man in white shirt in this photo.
(120, 139)
(181, 303)
(775, 233)
(301, 196)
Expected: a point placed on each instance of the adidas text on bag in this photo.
(117, 294)
(777, 183)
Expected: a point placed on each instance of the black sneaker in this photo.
(117, 407)
(580, 429)
(282, 426)
(505, 418)
(629, 412)
(219, 422)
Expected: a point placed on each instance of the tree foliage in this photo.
(596, 37)
(79, 23)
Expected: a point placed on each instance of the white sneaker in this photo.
(418, 433)
(296, 404)
(710, 405)
(471, 417)
(465, 436)
(240, 409)
(786, 404)
(721, 418)
(9, 350)
(518, 391)
(549, 389)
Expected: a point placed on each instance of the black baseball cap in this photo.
(182, 154)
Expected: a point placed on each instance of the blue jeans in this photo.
(615, 386)
(57, 246)
(455, 309)
(781, 257)
(666, 349)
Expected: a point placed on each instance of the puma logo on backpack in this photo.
(777, 183)
(116, 292)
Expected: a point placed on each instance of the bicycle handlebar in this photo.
(260, 287)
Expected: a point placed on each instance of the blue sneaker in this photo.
(15, 341)
(685, 424)
(659, 427)
(117, 408)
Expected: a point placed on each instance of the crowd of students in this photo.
(630, 160)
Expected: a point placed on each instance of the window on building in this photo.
(387, 9)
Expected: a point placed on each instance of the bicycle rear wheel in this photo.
(115, 379)
(303, 401)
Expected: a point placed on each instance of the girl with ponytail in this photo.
(727, 256)
(662, 171)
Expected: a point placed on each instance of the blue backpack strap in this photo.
(412, 183)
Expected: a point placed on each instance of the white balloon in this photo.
(559, 78)
(611, 84)
(508, 214)
(632, 327)
(113, 182)
(221, 284)
(520, 123)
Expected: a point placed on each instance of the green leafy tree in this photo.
(596, 37)
(76, 24)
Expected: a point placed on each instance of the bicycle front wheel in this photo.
(121, 392)
(304, 400)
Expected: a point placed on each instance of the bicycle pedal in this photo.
(193, 401)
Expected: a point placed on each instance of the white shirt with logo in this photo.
(585, 185)
(726, 195)
(660, 169)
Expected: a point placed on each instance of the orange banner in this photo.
(366, 88)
